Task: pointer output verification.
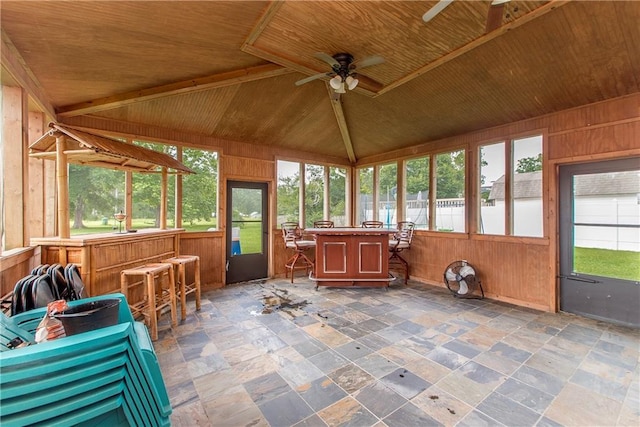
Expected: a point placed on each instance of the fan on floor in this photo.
(460, 278)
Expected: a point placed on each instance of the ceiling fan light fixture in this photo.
(336, 83)
(351, 82)
(341, 89)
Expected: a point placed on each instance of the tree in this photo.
(314, 193)
(529, 164)
(418, 175)
(199, 193)
(147, 188)
(450, 175)
(93, 191)
(288, 197)
(337, 183)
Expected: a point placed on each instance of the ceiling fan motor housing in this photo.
(345, 60)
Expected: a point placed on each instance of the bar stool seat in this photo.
(156, 298)
(179, 263)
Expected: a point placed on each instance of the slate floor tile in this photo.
(320, 393)
(348, 412)
(526, 395)
(353, 350)
(464, 362)
(405, 383)
(351, 378)
(380, 399)
(286, 409)
(447, 358)
(410, 415)
(266, 387)
(328, 361)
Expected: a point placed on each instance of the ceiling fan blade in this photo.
(494, 17)
(328, 59)
(311, 78)
(439, 7)
(368, 62)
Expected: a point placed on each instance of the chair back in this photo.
(404, 235)
(291, 232)
(372, 224)
(323, 224)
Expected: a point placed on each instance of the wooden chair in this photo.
(323, 224)
(400, 241)
(156, 298)
(180, 263)
(372, 224)
(294, 239)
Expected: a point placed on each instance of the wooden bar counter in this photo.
(351, 256)
(101, 257)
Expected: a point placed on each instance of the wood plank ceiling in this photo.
(228, 69)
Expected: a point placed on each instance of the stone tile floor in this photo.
(272, 353)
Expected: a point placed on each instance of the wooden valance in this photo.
(84, 148)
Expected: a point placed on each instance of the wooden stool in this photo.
(180, 262)
(156, 299)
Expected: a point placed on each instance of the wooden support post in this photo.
(433, 179)
(36, 180)
(163, 199)
(62, 172)
(128, 199)
(14, 167)
(327, 194)
(400, 192)
(178, 195)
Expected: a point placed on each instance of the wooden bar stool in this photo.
(155, 299)
(180, 262)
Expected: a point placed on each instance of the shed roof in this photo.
(86, 148)
(529, 185)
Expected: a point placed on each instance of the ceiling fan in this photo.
(494, 18)
(343, 70)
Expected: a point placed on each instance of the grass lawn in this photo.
(93, 227)
(607, 263)
(250, 238)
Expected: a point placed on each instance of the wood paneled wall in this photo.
(210, 247)
(15, 266)
(517, 270)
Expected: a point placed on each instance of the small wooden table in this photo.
(351, 256)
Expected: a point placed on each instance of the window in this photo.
(417, 192)
(288, 193)
(511, 200)
(387, 194)
(147, 192)
(324, 193)
(365, 195)
(200, 190)
(492, 186)
(450, 191)
(527, 187)
(314, 183)
(337, 194)
(95, 195)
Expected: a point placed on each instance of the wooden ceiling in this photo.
(228, 69)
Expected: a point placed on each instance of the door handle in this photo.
(578, 279)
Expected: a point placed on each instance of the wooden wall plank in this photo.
(14, 197)
(36, 179)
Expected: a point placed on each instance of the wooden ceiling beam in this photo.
(542, 10)
(229, 78)
(13, 62)
(336, 104)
